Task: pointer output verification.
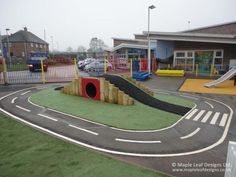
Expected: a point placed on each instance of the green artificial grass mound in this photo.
(136, 117)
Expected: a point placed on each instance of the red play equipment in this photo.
(91, 88)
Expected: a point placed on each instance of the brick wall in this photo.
(21, 49)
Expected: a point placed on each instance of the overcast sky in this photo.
(75, 22)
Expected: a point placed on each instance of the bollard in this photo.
(43, 76)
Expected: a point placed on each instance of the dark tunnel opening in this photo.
(91, 90)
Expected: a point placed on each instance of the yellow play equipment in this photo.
(168, 72)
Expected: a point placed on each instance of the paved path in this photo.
(203, 128)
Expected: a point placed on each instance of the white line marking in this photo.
(191, 114)
(47, 117)
(162, 129)
(136, 141)
(164, 93)
(85, 130)
(212, 107)
(223, 120)
(206, 117)
(198, 116)
(76, 117)
(13, 100)
(191, 134)
(34, 103)
(114, 128)
(26, 92)
(190, 97)
(215, 117)
(220, 141)
(27, 110)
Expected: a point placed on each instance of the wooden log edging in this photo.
(108, 92)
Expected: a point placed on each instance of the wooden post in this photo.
(130, 101)
(106, 89)
(80, 87)
(115, 95)
(102, 89)
(76, 87)
(120, 97)
(125, 99)
(110, 94)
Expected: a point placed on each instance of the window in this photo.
(189, 54)
(180, 54)
(218, 54)
(32, 44)
(41, 46)
(36, 45)
(184, 60)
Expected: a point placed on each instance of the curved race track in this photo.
(201, 129)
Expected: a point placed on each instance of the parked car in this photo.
(98, 65)
(34, 61)
(83, 63)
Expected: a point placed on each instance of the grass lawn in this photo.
(175, 100)
(136, 117)
(25, 152)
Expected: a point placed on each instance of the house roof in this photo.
(24, 36)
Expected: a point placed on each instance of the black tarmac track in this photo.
(143, 97)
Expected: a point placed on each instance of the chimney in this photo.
(25, 28)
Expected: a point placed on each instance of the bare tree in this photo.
(81, 49)
(69, 49)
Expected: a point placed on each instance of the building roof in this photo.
(193, 37)
(24, 36)
(127, 39)
(222, 28)
(134, 46)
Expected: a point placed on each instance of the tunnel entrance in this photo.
(91, 90)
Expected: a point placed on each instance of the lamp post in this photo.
(148, 36)
(8, 46)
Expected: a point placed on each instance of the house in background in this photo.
(206, 46)
(21, 44)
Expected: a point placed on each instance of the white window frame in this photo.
(186, 51)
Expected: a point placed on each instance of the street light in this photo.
(149, 50)
(8, 46)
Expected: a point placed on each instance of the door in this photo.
(204, 60)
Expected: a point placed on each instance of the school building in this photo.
(205, 46)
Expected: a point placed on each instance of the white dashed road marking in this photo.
(136, 141)
(212, 107)
(206, 117)
(24, 109)
(47, 117)
(191, 114)
(214, 119)
(223, 120)
(13, 100)
(82, 129)
(199, 115)
(26, 92)
(191, 134)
